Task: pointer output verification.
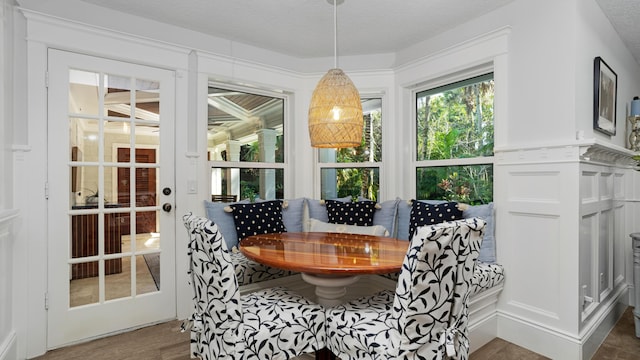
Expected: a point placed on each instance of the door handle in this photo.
(166, 207)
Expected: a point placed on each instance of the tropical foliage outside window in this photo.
(454, 128)
(355, 171)
(246, 143)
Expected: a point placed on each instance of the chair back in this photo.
(430, 307)
(217, 314)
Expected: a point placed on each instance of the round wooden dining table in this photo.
(329, 261)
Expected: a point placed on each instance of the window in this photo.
(355, 171)
(245, 144)
(454, 141)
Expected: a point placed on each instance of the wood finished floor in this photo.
(166, 342)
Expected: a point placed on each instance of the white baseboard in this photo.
(8, 348)
(598, 329)
(556, 344)
(537, 337)
(481, 332)
(483, 321)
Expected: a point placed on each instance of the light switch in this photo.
(192, 186)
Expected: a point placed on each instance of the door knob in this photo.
(166, 207)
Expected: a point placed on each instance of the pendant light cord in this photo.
(335, 34)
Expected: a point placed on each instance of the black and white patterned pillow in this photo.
(355, 213)
(258, 218)
(431, 214)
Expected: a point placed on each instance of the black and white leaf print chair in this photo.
(427, 316)
(269, 324)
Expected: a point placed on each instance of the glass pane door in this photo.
(111, 117)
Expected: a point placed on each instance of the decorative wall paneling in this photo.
(602, 234)
(561, 235)
(8, 345)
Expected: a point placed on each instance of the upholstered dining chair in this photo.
(427, 315)
(273, 323)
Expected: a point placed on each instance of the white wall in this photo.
(595, 36)
(8, 336)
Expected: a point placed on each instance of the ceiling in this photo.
(304, 28)
(625, 17)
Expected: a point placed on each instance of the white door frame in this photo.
(69, 325)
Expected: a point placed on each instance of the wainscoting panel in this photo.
(533, 237)
(8, 344)
(602, 236)
(562, 235)
(620, 242)
(588, 236)
(538, 296)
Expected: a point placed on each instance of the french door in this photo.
(111, 246)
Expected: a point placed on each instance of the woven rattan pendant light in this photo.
(335, 111)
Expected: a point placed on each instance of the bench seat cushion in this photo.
(485, 276)
(249, 271)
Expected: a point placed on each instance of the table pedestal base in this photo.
(330, 289)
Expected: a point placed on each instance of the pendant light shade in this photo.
(335, 111)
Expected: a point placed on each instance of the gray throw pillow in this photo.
(484, 212)
(386, 215)
(292, 214)
(224, 220)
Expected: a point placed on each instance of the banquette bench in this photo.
(390, 218)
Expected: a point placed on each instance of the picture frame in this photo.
(605, 97)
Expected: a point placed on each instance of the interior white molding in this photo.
(111, 33)
(607, 154)
(8, 215)
(590, 151)
(497, 40)
(8, 347)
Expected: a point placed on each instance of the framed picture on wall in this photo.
(605, 96)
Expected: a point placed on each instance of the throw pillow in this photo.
(429, 214)
(356, 213)
(404, 214)
(386, 214)
(292, 214)
(484, 212)
(321, 226)
(224, 220)
(317, 208)
(258, 218)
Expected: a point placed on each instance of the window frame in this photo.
(287, 103)
(319, 166)
(443, 81)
